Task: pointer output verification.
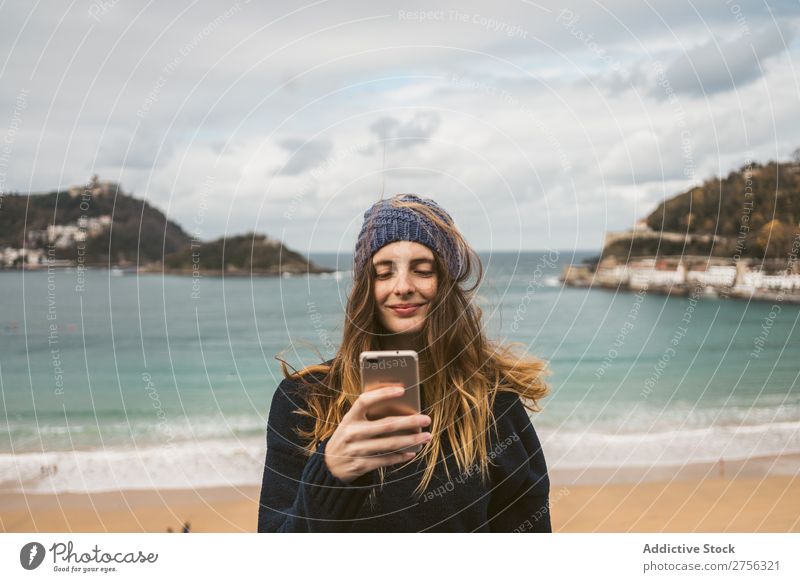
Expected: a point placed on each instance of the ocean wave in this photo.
(176, 466)
(632, 419)
(25, 436)
(239, 462)
(567, 449)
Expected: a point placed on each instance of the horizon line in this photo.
(541, 250)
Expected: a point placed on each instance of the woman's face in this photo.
(405, 276)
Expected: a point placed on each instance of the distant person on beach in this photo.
(481, 466)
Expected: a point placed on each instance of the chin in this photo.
(417, 327)
(396, 326)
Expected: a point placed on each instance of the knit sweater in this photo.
(300, 494)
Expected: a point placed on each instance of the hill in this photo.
(99, 220)
(241, 254)
(751, 213)
(99, 225)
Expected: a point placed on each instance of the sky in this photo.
(536, 125)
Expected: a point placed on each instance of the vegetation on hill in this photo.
(136, 234)
(754, 212)
(244, 253)
(137, 227)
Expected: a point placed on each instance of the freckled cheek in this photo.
(429, 290)
(381, 292)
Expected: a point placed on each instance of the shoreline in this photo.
(771, 504)
(187, 272)
(760, 494)
(755, 467)
(677, 290)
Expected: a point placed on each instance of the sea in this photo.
(112, 380)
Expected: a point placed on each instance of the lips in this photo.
(407, 309)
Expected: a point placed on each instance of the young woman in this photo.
(481, 468)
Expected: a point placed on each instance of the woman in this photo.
(481, 468)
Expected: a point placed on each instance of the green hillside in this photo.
(110, 228)
(136, 228)
(243, 254)
(754, 210)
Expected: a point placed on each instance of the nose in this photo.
(404, 284)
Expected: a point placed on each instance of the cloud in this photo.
(304, 155)
(406, 134)
(717, 67)
(486, 122)
(144, 150)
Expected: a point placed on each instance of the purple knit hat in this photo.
(384, 224)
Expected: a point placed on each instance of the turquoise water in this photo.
(149, 380)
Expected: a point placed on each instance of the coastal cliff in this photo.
(734, 237)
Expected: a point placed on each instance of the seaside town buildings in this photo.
(770, 279)
(61, 236)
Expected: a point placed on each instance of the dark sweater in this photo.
(299, 493)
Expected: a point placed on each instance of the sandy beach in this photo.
(743, 504)
(222, 509)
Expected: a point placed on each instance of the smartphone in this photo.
(393, 368)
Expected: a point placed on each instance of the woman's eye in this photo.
(389, 274)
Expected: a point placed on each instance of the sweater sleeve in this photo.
(298, 492)
(520, 485)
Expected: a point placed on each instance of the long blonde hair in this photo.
(461, 371)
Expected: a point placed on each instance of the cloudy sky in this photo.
(536, 124)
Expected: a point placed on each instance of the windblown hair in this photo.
(461, 371)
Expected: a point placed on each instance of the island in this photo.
(97, 225)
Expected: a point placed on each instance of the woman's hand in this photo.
(356, 446)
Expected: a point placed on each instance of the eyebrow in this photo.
(413, 262)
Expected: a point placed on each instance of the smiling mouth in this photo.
(406, 310)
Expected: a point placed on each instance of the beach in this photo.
(746, 505)
(713, 504)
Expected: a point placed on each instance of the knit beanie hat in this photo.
(384, 224)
